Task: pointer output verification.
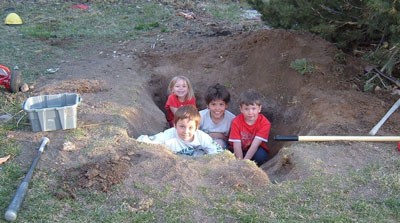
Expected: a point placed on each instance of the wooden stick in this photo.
(338, 138)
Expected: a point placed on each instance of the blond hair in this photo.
(175, 79)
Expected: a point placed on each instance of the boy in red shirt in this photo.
(250, 129)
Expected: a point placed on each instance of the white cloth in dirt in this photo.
(202, 143)
(207, 125)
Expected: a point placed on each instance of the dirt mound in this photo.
(98, 176)
(80, 86)
(124, 90)
(150, 165)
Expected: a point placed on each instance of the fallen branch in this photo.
(371, 79)
(388, 77)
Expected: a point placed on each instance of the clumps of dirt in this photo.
(78, 86)
(98, 175)
(101, 176)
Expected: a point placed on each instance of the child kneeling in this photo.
(250, 129)
(185, 137)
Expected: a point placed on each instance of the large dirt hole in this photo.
(324, 102)
(261, 61)
(295, 104)
(158, 86)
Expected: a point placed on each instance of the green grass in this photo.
(228, 11)
(31, 45)
(10, 172)
(302, 66)
(320, 198)
(54, 32)
(337, 198)
(11, 106)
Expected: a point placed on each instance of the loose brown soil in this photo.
(124, 88)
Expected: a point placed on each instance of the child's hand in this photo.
(217, 135)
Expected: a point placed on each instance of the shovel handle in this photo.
(286, 138)
(338, 138)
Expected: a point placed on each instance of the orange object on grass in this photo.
(80, 6)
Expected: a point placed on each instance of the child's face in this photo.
(217, 108)
(250, 112)
(180, 88)
(186, 129)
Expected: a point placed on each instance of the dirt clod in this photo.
(96, 176)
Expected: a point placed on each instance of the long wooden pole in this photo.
(337, 138)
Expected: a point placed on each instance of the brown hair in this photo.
(250, 97)
(187, 112)
(175, 79)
